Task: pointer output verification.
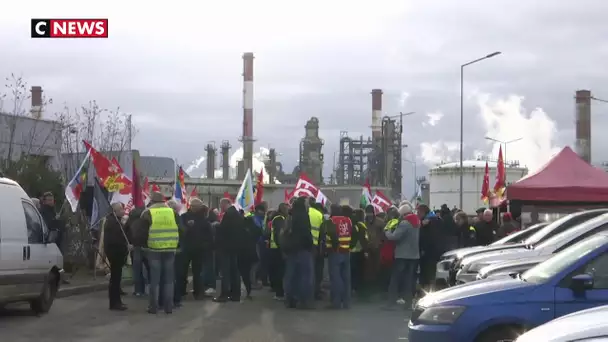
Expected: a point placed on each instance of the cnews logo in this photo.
(69, 28)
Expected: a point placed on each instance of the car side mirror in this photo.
(581, 282)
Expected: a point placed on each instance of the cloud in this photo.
(433, 153)
(506, 119)
(433, 119)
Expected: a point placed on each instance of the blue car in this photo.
(501, 309)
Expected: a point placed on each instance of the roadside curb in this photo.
(87, 288)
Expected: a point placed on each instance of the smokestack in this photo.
(247, 137)
(583, 124)
(272, 165)
(36, 110)
(211, 153)
(376, 113)
(225, 159)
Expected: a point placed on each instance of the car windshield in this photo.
(520, 235)
(573, 232)
(541, 234)
(562, 260)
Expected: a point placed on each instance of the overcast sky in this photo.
(176, 66)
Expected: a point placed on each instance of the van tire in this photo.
(499, 334)
(43, 303)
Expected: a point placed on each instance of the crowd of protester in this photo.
(367, 254)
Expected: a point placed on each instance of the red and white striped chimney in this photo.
(376, 113)
(248, 110)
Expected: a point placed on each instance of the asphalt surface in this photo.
(87, 318)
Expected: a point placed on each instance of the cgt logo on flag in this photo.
(69, 28)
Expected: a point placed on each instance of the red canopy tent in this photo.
(565, 178)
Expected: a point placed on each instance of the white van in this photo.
(30, 263)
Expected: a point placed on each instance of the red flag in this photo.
(117, 164)
(136, 189)
(304, 188)
(287, 196)
(259, 188)
(485, 187)
(227, 195)
(104, 168)
(146, 187)
(194, 192)
(499, 187)
(155, 188)
(380, 202)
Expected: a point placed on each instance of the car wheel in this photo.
(43, 303)
(499, 334)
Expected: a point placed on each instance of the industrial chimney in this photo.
(583, 124)
(376, 113)
(272, 165)
(211, 153)
(36, 110)
(225, 147)
(247, 137)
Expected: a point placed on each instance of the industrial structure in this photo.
(247, 137)
(225, 148)
(444, 182)
(378, 158)
(311, 155)
(211, 155)
(583, 124)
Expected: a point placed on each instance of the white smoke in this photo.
(507, 119)
(504, 119)
(198, 167)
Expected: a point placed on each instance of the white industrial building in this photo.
(444, 182)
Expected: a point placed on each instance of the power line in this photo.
(599, 100)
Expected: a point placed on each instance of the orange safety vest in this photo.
(344, 230)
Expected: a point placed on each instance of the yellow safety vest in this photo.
(471, 228)
(316, 220)
(248, 214)
(391, 224)
(360, 226)
(164, 233)
(273, 245)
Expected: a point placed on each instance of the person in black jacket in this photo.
(486, 228)
(276, 263)
(198, 243)
(248, 254)
(141, 269)
(297, 245)
(116, 248)
(228, 237)
(466, 232)
(431, 246)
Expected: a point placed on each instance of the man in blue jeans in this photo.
(162, 242)
(339, 231)
(403, 277)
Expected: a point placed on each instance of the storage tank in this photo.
(444, 182)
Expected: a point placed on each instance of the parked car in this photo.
(30, 264)
(512, 240)
(501, 309)
(585, 326)
(473, 264)
(511, 267)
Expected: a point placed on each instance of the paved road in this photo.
(86, 318)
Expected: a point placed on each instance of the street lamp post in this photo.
(505, 150)
(462, 117)
(413, 162)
